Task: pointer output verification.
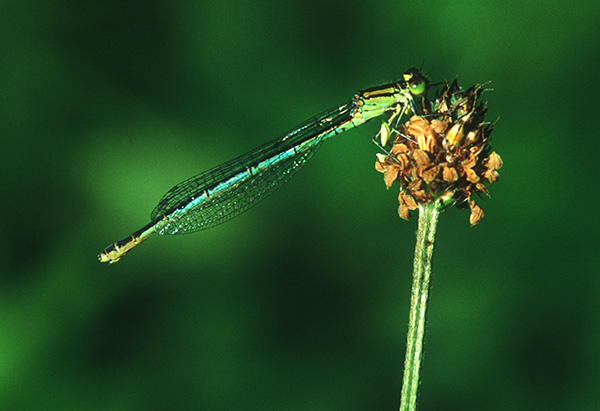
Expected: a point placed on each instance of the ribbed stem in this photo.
(428, 216)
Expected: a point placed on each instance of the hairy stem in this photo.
(428, 216)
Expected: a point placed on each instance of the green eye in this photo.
(416, 81)
(417, 85)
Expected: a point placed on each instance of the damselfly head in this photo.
(415, 80)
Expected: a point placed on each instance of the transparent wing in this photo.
(226, 191)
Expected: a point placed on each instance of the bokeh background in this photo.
(302, 302)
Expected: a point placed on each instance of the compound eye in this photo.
(417, 85)
(416, 81)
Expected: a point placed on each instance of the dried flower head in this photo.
(444, 154)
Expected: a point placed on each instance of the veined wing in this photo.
(226, 191)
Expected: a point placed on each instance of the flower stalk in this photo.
(442, 156)
(428, 217)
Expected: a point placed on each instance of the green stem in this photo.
(428, 216)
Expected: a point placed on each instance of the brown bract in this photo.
(444, 154)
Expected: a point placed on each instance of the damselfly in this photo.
(226, 191)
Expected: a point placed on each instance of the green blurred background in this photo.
(302, 302)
